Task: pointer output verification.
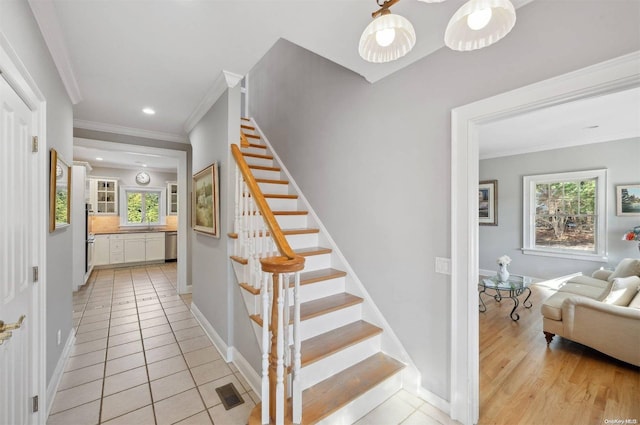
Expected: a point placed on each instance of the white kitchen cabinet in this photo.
(104, 196)
(101, 250)
(172, 198)
(134, 249)
(154, 246)
(116, 249)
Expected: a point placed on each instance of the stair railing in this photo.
(270, 264)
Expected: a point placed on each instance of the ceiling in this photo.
(117, 57)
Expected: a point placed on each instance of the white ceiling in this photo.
(116, 57)
(598, 119)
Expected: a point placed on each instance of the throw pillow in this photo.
(627, 267)
(623, 289)
(635, 302)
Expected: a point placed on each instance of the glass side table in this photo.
(515, 286)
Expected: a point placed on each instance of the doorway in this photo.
(607, 77)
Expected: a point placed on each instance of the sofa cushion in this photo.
(586, 280)
(602, 274)
(635, 302)
(627, 267)
(588, 291)
(552, 307)
(623, 290)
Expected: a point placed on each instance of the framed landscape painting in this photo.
(59, 192)
(488, 203)
(628, 200)
(205, 209)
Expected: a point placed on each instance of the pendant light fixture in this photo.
(479, 23)
(388, 37)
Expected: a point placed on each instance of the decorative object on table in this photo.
(503, 273)
(488, 203)
(632, 235)
(628, 200)
(59, 192)
(205, 211)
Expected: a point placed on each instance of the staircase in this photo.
(344, 371)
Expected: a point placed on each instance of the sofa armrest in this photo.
(611, 329)
(601, 274)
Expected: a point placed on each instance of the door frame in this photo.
(607, 77)
(19, 78)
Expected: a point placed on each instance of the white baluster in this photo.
(251, 258)
(296, 390)
(265, 348)
(280, 396)
(236, 212)
(287, 352)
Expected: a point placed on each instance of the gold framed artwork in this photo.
(59, 192)
(205, 208)
(488, 203)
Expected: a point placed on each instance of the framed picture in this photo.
(205, 210)
(59, 192)
(628, 200)
(488, 202)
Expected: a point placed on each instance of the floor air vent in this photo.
(229, 396)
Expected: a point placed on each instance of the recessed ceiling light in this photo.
(591, 127)
(148, 111)
(144, 165)
(99, 158)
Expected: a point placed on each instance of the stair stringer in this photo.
(390, 343)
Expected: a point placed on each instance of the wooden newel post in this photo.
(277, 266)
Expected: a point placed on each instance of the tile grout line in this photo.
(106, 352)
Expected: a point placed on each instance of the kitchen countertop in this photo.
(123, 231)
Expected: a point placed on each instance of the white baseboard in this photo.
(434, 400)
(225, 351)
(250, 375)
(52, 388)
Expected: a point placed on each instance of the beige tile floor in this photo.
(141, 358)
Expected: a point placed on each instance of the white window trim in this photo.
(528, 229)
(123, 205)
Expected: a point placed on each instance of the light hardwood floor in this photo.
(522, 381)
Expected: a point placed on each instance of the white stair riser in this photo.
(317, 262)
(308, 292)
(326, 322)
(258, 151)
(282, 189)
(279, 204)
(337, 362)
(303, 240)
(266, 174)
(252, 160)
(292, 221)
(365, 403)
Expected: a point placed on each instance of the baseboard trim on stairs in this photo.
(52, 388)
(250, 375)
(225, 351)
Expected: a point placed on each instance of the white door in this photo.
(17, 227)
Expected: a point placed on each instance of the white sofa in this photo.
(601, 311)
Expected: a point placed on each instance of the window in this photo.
(143, 206)
(564, 215)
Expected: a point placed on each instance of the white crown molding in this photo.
(129, 131)
(224, 81)
(45, 14)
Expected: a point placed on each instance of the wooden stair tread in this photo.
(319, 307)
(272, 181)
(279, 196)
(252, 136)
(321, 346)
(256, 155)
(247, 127)
(314, 250)
(306, 278)
(263, 167)
(255, 145)
(245, 119)
(291, 212)
(320, 275)
(301, 231)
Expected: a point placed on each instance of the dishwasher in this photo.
(171, 246)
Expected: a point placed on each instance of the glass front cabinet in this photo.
(104, 196)
(172, 198)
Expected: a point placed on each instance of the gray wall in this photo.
(374, 160)
(620, 158)
(19, 27)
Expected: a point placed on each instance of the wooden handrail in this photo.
(265, 210)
